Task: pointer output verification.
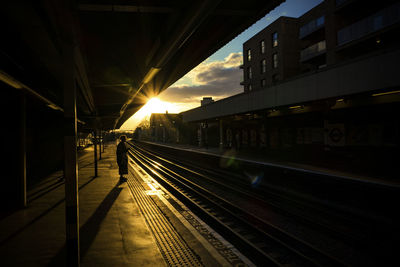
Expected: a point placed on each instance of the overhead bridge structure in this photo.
(73, 66)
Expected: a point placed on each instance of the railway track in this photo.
(360, 228)
(284, 201)
(264, 243)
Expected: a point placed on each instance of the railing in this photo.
(378, 21)
(311, 26)
(313, 50)
(340, 2)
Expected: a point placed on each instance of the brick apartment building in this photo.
(333, 32)
(325, 84)
(271, 55)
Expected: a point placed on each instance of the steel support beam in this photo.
(22, 151)
(221, 135)
(95, 152)
(100, 141)
(70, 158)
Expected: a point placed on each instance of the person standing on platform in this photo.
(122, 158)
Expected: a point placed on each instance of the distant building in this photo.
(164, 127)
(325, 83)
(169, 128)
(271, 55)
(206, 101)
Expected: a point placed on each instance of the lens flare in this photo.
(229, 160)
(255, 179)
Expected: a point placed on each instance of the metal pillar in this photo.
(100, 141)
(70, 158)
(95, 152)
(22, 152)
(200, 135)
(221, 135)
(163, 134)
(206, 135)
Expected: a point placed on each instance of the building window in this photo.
(311, 26)
(249, 73)
(275, 39)
(275, 78)
(320, 21)
(250, 88)
(274, 60)
(262, 47)
(249, 55)
(263, 66)
(263, 83)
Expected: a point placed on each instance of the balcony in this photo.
(352, 78)
(313, 51)
(380, 20)
(311, 27)
(340, 2)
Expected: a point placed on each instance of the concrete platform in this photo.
(130, 224)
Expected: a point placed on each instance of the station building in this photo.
(167, 128)
(325, 83)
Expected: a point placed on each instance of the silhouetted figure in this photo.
(122, 158)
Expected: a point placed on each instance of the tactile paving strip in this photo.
(173, 248)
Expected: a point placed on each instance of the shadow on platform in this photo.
(89, 230)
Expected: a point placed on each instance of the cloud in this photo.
(218, 79)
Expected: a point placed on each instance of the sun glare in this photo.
(153, 105)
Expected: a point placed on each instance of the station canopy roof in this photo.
(124, 50)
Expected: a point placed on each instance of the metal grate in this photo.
(172, 246)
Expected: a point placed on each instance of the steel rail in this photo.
(279, 236)
(291, 207)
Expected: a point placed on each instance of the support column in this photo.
(163, 134)
(221, 135)
(70, 159)
(100, 141)
(95, 152)
(206, 135)
(22, 151)
(200, 135)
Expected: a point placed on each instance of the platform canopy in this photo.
(123, 49)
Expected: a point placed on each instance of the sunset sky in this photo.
(218, 76)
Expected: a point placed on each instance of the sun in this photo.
(153, 105)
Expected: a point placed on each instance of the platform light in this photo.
(387, 93)
(54, 106)
(149, 76)
(10, 80)
(340, 100)
(295, 107)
